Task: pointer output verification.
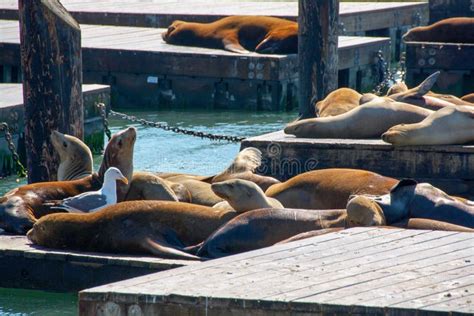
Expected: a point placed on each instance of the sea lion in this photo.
(161, 228)
(337, 102)
(265, 227)
(239, 34)
(147, 186)
(75, 157)
(409, 199)
(468, 98)
(452, 125)
(397, 87)
(369, 120)
(429, 224)
(242, 196)
(20, 207)
(452, 30)
(328, 188)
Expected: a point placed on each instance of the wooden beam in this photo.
(317, 52)
(52, 78)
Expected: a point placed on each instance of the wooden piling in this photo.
(52, 78)
(317, 52)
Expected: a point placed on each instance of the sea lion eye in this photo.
(64, 144)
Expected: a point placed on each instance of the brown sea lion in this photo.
(147, 186)
(452, 125)
(328, 188)
(242, 196)
(74, 156)
(408, 199)
(239, 34)
(398, 87)
(369, 120)
(337, 102)
(468, 98)
(21, 206)
(429, 224)
(161, 228)
(265, 227)
(452, 30)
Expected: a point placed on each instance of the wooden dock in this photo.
(31, 267)
(359, 271)
(453, 60)
(355, 17)
(11, 111)
(448, 167)
(144, 71)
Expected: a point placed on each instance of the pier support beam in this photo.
(317, 51)
(52, 78)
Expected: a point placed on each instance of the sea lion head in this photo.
(280, 41)
(180, 33)
(56, 230)
(15, 215)
(396, 134)
(242, 195)
(364, 211)
(299, 128)
(75, 157)
(119, 154)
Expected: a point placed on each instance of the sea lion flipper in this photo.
(425, 87)
(234, 46)
(163, 249)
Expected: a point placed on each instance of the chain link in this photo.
(21, 171)
(388, 75)
(103, 114)
(164, 126)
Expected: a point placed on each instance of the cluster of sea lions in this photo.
(403, 117)
(187, 216)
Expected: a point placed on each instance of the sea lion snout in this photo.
(392, 136)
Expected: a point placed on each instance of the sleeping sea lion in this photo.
(20, 207)
(239, 34)
(161, 228)
(369, 120)
(265, 227)
(409, 199)
(242, 196)
(452, 125)
(74, 156)
(328, 188)
(147, 186)
(337, 102)
(452, 30)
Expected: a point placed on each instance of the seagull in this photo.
(93, 201)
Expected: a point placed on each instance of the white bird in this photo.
(93, 201)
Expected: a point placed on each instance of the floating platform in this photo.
(145, 71)
(355, 17)
(358, 271)
(449, 167)
(12, 112)
(455, 61)
(30, 267)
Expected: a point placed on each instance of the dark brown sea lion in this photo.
(337, 102)
(240, 34)
(21, 206)
(265, 227)
(161, 228)
(452, 30)
(74, 156)
(408, 199)
(328, 188)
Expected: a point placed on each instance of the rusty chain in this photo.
(21, 171)
(388, 75)
(166, 127)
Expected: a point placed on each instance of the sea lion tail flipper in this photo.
(248, 159)
(234, 46)
(193, 249)
(425, 87)
(163, 249)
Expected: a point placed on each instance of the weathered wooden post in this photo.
(52, 81)
(317, 51)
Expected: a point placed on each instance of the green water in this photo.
(157, 150)
(15, 302)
